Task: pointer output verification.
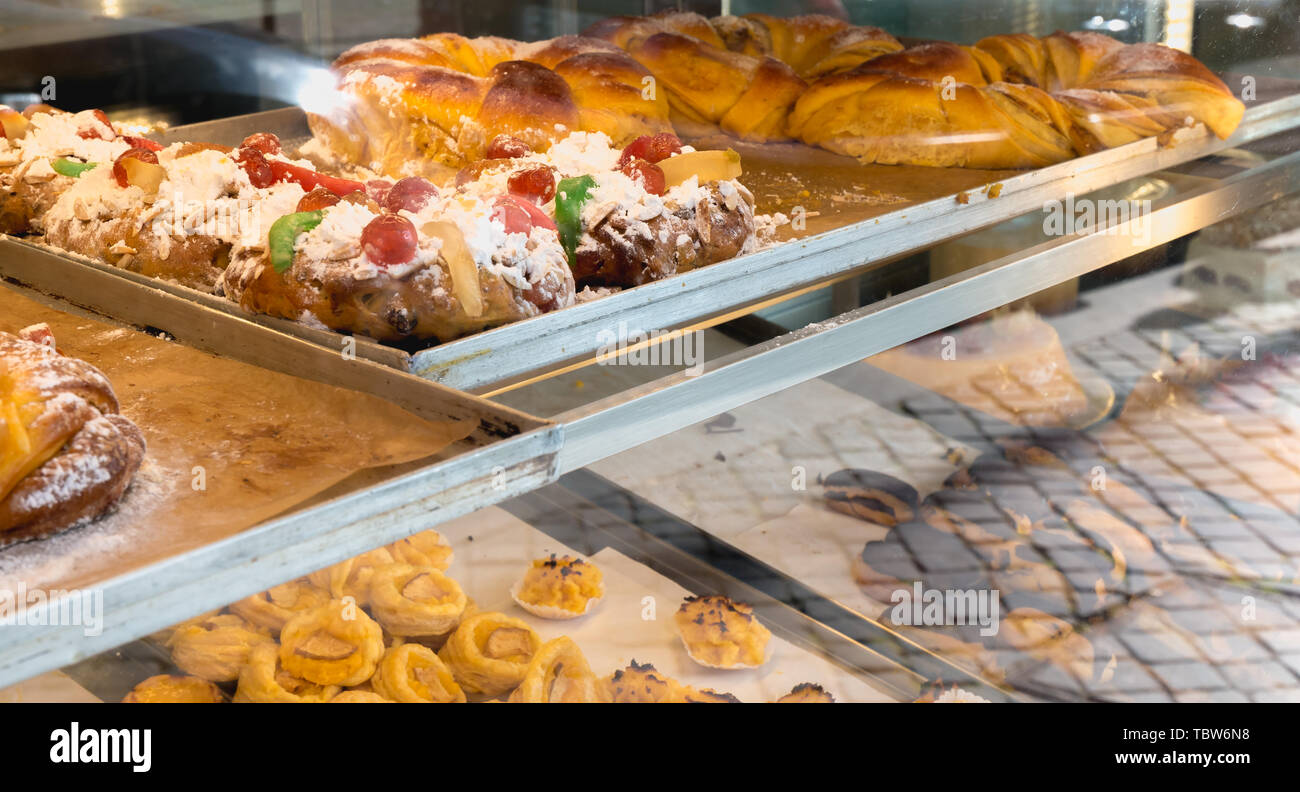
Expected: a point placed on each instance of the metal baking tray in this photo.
(487, 361)
(508, 453)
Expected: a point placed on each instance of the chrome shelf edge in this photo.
(643, 413)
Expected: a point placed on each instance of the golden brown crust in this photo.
(174, 689)
(66, 456)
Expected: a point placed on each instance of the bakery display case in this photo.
(672, 352)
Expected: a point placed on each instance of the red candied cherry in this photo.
(96, 131)
(264, 142)
(651, 148)
(389, 240)
(536, 184)
(411, 194)
(507, 147)
(520, 215)
(318, 198)
(259, 171)
(377, 190)
(142, 142)
(119, 170)
(648, 175)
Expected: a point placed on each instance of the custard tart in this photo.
(335, 644)
(417, 602)
(721, 633)
(557, 674)
(559, 587)
(270, 609)
(264, 679)
(216, 647)
(414, 674)
(489, 653)
(174, 689)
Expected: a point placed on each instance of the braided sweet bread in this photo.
(444, 98)
(66, 455)
(1012, 101)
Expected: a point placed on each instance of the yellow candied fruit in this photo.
(720, 632)
(562, 582)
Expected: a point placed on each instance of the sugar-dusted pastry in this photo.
(216, 647)
(427, 548)
(174, 689)
(642, 683)
(335, 644)
(264, 679)
(416, 601)
(936, 693)
(559, 587)
(414, 674)
(351, 578)
(278, 604)
(721, 633)
(807, 693)
(489, 652)
(359, 697)
(558, 674)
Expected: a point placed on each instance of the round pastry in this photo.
(418, 602)
(359, 697)
(807, 693)
(404, 104)
(274, 607)
(426, 548)
(335, 644)
(263, 679)
(66, 455)
(174, 689)
(351, 578)
(871, 496)
(721, 633)
(489, 653)
(559, 673)
(215, 648)
(414, 674)
(559, 587)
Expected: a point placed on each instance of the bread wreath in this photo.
(1010, 101)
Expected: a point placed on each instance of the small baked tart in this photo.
(215, 647)
(559, 587)
(418, 602)
(642, 683)
(335, 644)
(270, 609)
(351, 578)
(559, 673)
(174, 689)
(427, 548)
(721, 633)
(414, 674)
(807, 693)
(264, 679)
(359, 697)
(489, 653)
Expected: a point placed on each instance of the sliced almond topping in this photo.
(507, 642)
(423, 587)
(323, 646)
